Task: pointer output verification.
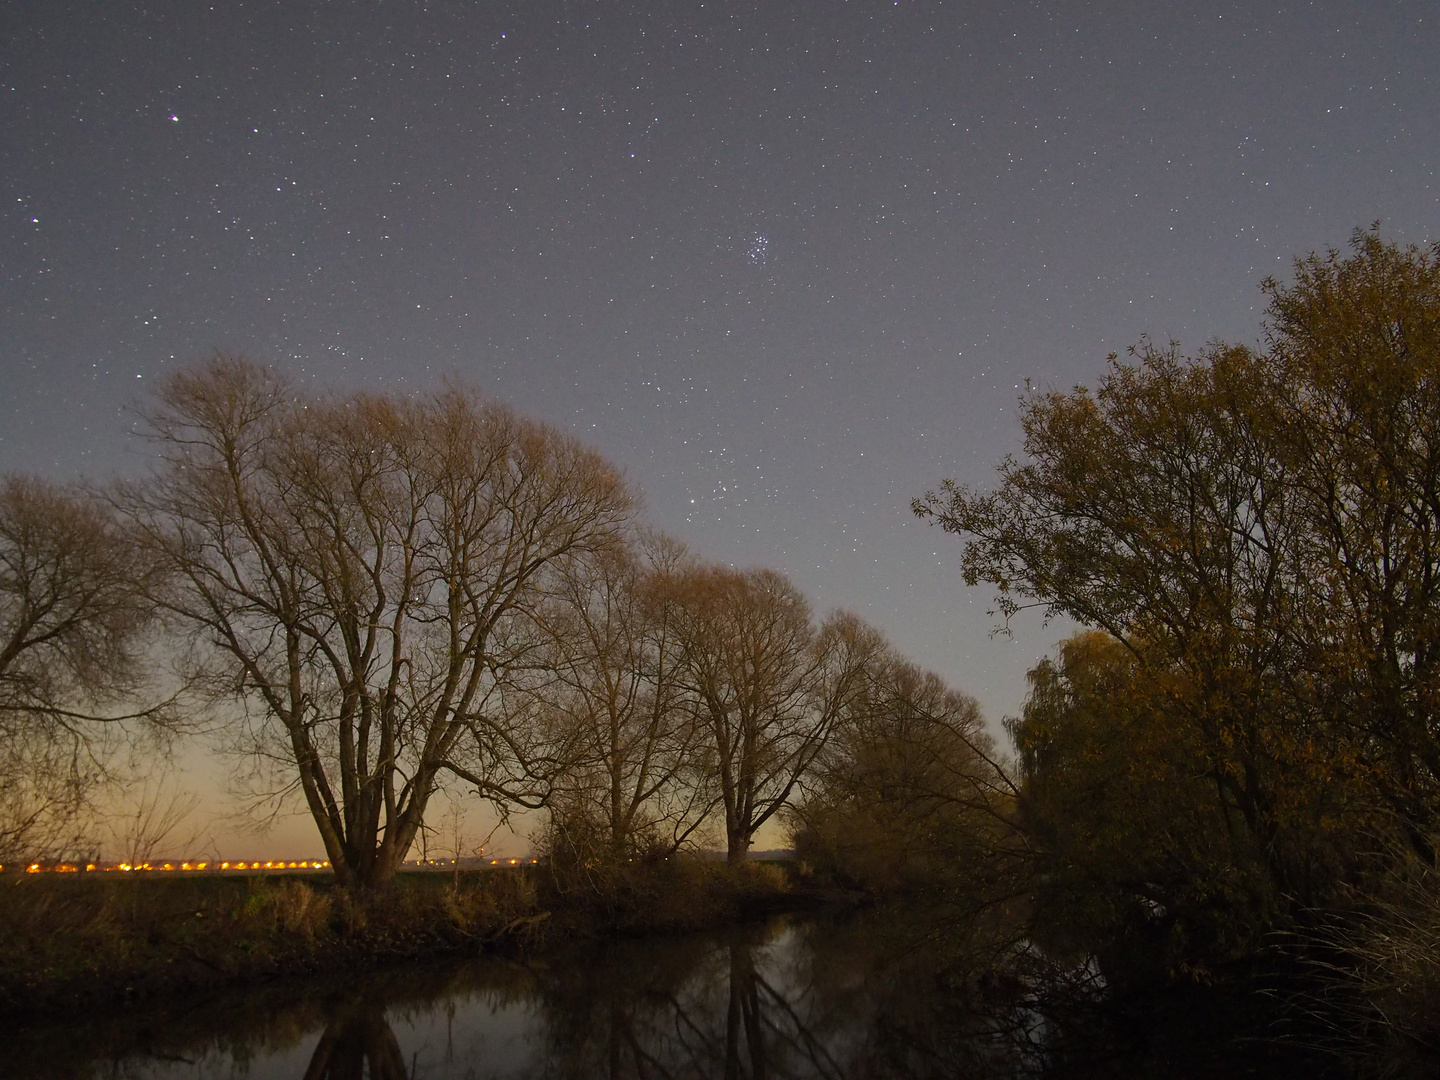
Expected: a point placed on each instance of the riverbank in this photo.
(77, 941)
(876, 992)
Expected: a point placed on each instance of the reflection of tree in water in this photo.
(691, 1009)
(775, 1034)
(892, 995)
(780, 1001)
(888, 997)
(917, 993)
(358, 1042)
(823, 1000)
(698, 1008)
(234, 1033)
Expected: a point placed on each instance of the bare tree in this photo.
(151, 816)
(615, 698)
(363, 574)
(766, 686)
(72, 657)
(909, 787)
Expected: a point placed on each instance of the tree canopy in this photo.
(364, 574)
(1256, 528)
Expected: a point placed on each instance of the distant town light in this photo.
(187, 866)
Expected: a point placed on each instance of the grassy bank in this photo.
(69, 941)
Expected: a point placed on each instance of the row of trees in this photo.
(380, 597)
(376, 598)
(1248, 737)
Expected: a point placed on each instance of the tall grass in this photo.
(76, 939)
(1393, 949)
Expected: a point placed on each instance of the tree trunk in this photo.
(737, 848)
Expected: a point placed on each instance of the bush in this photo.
(293, 905)
(678, 892)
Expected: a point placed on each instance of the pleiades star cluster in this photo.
(788, 264)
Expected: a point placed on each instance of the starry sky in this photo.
(787, 264)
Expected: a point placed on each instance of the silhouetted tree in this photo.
(766, 686)
(908, 790)
(611, 691)
(1257, 528)
(363, 574)
(73, 617)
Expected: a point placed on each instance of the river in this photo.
(862, 996)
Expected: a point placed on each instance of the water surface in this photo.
(870, 996)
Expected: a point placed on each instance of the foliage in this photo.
(1255, 527)
(1355, 350)
(1131, 850)
(663, 893)
(74, 939)
(1377, 976)
(907, 792)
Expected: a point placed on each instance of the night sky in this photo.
(786, 264)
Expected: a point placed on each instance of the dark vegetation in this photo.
(891, 993)
(1239, 762)
(88, 941)
(1227, 781)
(96, 939)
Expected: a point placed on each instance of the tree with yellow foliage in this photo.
(1256, 530)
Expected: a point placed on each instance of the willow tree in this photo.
(766, 687)
(362, 575)
(908, 789)
(73, 622)
(612, 693)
